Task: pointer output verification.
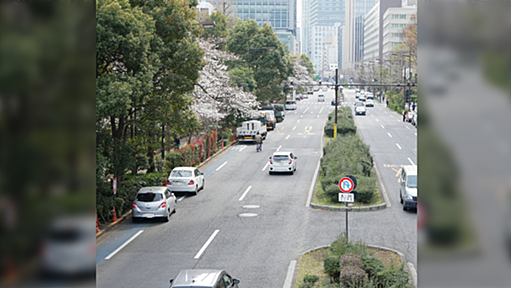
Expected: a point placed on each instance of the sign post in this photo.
(346, 185)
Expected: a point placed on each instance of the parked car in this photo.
(283, 162)
(414, 120)
(203, 278)
(408, 189)
(360, 108)
(186, 179)
(68, 249)
(154, 202)
(409, 116)
(321, 98)
(369, 103)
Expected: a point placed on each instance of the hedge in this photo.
(345, 123)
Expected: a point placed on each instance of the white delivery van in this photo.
(290, 105)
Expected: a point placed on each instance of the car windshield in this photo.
(279, 108)
(65, 235)
(280, 158)
(411, 182)
(181, 173)
(359, 104)
(290, 102)
(149, 197)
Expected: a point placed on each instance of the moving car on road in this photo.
(321, 98)
(186, 179)
(154, 202)
(290, 105)
(369, 103)
(283, 162)
(203, 278)
(360, 108)
(408, 189)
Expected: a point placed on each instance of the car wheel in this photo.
(134, 219)
(175, 204)
(203, 184)
(196, 190)
(166, 219)
(400, 198)
(271, 173)
(404, 208)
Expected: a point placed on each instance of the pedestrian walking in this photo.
(404, 115)
(259, 142)
(177, 142)
(413, 106)
(387, 101)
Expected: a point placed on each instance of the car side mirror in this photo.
(235, 281)
(270, 157)
(296, 157)
(202, 173)
(171, 280)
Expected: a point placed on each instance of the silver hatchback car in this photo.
(203, 278)
(154, 202)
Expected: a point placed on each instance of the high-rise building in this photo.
(280, 14)
(322, 18)
(373, 30)
(394, 20)
(353, 34)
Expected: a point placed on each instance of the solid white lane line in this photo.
(411, 161)
(294, 128)
(398, 146)
(279, 148)
(248, 189)
(290, 273)
(265, 166)
(206, 245)
(287, 137)
(123, 245)
(389, 134)
(321, 109)
(305, 110)
(220, 167)
(382, 126)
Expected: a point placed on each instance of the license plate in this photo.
(149, 215)
(248, 137)
(178, 183)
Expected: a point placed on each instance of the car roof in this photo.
(196, 277)
(158, 189)
(410, 169)
(281, 153)
(191, 168)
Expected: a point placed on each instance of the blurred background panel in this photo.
(47, 142)
(464, 144)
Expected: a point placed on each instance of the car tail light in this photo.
(271, 161)
(290, 161)
(191, 182)
(168, 182)
(163, 204)
(134, 205)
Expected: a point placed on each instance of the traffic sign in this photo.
(346, 197)
(354, 181)
(346, 184)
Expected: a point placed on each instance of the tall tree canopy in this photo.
(307, 63)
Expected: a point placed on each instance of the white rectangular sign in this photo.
(346, 197)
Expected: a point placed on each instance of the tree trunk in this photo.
(150, 149)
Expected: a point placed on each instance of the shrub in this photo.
(342, 246)
(350, 260)
(365, 189)
(119, 206)
(352, 276)
(345, 123)
(392, 277)
(372, 266)
(331, 267)
(310, 279)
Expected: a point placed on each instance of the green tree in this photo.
(220, 28)
(306, 62)
(243, 77)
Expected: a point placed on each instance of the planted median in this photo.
(345, 155)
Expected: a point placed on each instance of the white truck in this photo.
(248, 130)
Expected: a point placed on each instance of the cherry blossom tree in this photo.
(300, 78)
(215, 97)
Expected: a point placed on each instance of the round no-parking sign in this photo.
(346, 185)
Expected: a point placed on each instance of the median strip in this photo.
(206, 244)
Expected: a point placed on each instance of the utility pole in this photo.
(336, 98)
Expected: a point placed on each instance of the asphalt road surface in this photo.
(255, 225)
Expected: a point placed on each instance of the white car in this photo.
(153, 202)
(360, 108)
(369, 103)
(290, 105)
(186, 179)
(321, 98)
(283, 162)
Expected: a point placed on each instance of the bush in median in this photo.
(345, 123)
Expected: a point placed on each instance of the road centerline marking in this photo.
(294, 128)
(206, 244)
(321, 109)
(220, 167)
(249, 187)
(377, 120)
(305, 110)
(124, 245)
(265, 166)
(298, 121)
(382, 126)
(389, 134)
(279, 148)
(398, 146)
(287, 137)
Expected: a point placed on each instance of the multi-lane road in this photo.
(255, 225)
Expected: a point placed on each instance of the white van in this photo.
(321, 98)
(290, 105)
(408, 189)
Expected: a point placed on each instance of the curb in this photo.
(412, 272)
(125, 215)
(354, 209)
(384, 195)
